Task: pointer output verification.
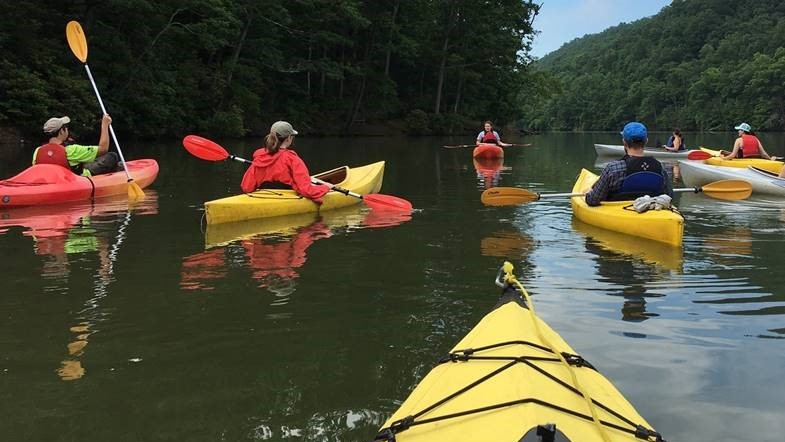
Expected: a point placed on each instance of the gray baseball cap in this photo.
(54, 124)
(282, 129)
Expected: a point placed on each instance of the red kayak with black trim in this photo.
(42, 184)
(488, 151)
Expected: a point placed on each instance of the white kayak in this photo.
(696, 173)
(618, 150)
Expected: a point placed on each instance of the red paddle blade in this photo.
(387, 202)
(204, 148)
(698, 155)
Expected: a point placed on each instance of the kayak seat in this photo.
(335, 176)
(638, 184)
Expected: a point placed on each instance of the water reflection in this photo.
(62, 233)
(273, 249)
(489, 171)
(729, 245)
(630, 247)
(506, 244)
(630, 264)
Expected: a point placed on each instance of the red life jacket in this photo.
(51, 153)
(489, 137)
(749, 146)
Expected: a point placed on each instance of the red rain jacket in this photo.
(286, 167)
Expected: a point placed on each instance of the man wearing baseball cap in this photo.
(747, 145)
(632, 176)
(81, 159)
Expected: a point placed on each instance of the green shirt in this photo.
(77, 153)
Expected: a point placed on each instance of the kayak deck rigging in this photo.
(562, 403)
(470, 354)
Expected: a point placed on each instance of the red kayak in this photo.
(51, 184)
(488, 151)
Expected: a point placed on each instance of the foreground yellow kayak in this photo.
(664, 226)
(266, 203)
(509, 378)
(760, 163)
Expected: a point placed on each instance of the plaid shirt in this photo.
(611, 179)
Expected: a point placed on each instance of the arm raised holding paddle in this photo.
(78, 44)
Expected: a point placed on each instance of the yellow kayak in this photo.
(664, 226)
(266, 203)
(510, 377)
(761, 163)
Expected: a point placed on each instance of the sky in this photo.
(560, 21)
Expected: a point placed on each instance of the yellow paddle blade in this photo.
(728, 189)
(134, 191)
(507, 196)
(76, 40)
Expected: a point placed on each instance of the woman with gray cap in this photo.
(276, 166)
(81, 159)
(747, 145)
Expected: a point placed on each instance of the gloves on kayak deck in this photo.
(647, 202)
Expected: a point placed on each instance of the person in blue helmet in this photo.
(633, 175)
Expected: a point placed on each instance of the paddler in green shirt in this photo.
(81, 159)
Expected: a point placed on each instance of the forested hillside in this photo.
(698, 65)
(229, 67)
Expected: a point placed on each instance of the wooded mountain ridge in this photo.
(698, 64)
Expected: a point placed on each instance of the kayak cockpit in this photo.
(335, 176)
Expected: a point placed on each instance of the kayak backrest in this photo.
(335, 176)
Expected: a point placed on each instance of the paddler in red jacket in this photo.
(277, 166)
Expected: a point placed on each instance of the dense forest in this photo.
(698, 64)
(230, 67)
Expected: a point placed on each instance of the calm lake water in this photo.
(136, 323)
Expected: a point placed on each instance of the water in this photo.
(130, 322)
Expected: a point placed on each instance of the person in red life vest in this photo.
(489, 136)
(747, 145)
(81, 159)
(276, 166)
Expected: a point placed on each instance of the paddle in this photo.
(506, 196)
(701, 155)
(78, 44)
(212, 151)
(474, 145)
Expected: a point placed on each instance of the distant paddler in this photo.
(489, 136)
(747, 145)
